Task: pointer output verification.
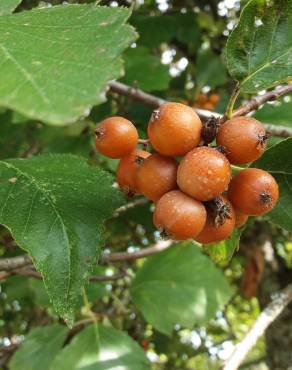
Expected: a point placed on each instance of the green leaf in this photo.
(7, 6)
(39, 348)
(222, 252)
(179, 286)
(187, 28)
(56, 61)
(277, 161)
(209, 70)
(102, 348)
(155, 30)
(54, 206)
(145, 70)
(279, 113)
(259, 50)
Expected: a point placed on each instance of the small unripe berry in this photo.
(253, 191)
(204, 173)
(220, 222)
(127, 171)
(174, 129)
(179, 216)
(115, 137)
(157, 176)
(243, 138)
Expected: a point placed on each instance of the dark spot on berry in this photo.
(221, 149)
(99, 132)
(155, 115)
(139, 160)
(164, 234)
(219, 210)
(262, 140)
(266, 199)
(210, 129)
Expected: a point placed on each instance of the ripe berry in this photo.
(174, 129)
(208, 106)
(214, 99)
(240, 218)
(156, 176)
(179, 216)
(116, 137)
(127, 171)
(243, 138)
(253, 191)
(220, 221)
(204, 173)
(202, 99)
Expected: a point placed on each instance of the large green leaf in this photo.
(222, 252)
(39, 348)
(55, 62)
(277, 160)
(179, 286)
(259, 50)
(7, 6)
(279, 113)
(54, 206)
(104, 348)
(145, 70)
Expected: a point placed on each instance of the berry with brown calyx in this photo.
(127, 171)
(220, 221)
(115, 137)
(253, 191)
(243, 138)
(179, 216)
(174, 129)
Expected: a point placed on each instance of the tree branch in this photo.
(25, 267)
(149, 99)
(130, 205)
(266, 318)
(31, 272)
(253, 104)
(257, 101)
(142, 253)
(12, 263)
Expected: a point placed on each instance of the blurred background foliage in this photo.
(179, 56)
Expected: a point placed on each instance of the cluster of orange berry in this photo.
(206, 101)
(192, 186)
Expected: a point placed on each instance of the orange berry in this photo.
(204, 173)
(220, 222)
(179, 216)
(127, 170)
(240, 218)
(208, 106)
(214, 99)
(253, 191)
(243, 138)
(116, 137)
(202, 99)
(174, 129)
(156, 176)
